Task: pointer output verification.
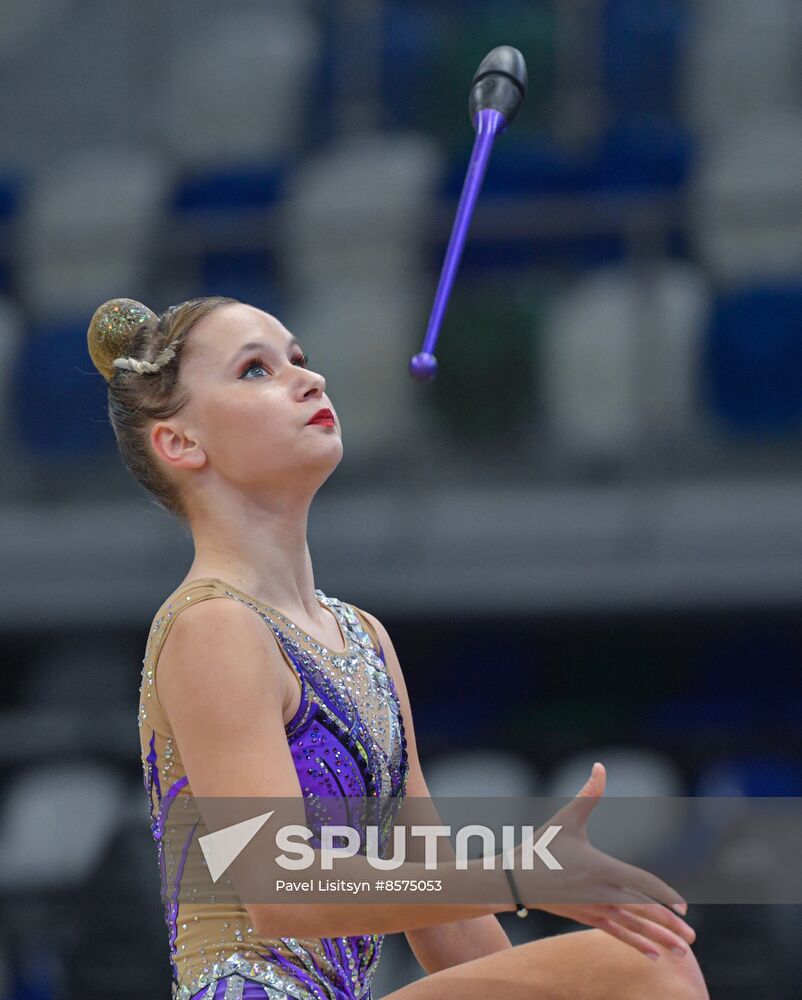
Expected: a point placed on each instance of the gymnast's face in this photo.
(246, 421)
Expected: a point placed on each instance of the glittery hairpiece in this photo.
(110, 332)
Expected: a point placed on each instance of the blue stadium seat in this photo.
(641, 154)
(411, 40)
(206, 197)
(751, 774)
(58, 400)
(247, 275)
(11, 188)
(753, 357)
(642, 49)
(239, 188)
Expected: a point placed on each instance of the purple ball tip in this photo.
(423, 367)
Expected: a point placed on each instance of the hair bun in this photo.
(111, 329)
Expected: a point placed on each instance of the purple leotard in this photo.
(346, 739)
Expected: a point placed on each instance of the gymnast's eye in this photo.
(303, 361)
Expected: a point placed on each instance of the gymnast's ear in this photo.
(176, 449)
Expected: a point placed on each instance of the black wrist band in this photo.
(521, 910)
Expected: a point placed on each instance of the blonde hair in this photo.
(139, 354)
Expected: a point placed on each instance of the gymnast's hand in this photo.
(592, 886)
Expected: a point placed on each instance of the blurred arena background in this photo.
(586, 534)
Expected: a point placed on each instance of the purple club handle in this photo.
(488, 123)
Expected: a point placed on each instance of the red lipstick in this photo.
(324, 416)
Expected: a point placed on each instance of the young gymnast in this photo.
(273, 688)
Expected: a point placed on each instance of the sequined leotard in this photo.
(355, 745)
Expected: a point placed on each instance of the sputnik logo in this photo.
(221, 848)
